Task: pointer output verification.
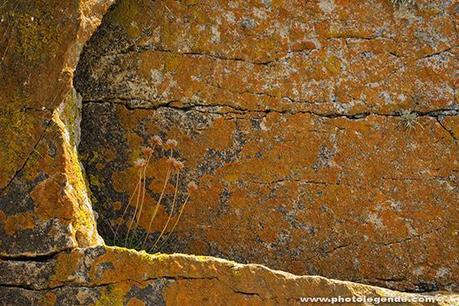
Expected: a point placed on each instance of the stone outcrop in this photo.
(44, 206)
(323, 134)
(111, 276)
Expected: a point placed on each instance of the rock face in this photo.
(323, 134)
(303, 162)
(44, 206)
(105, 276)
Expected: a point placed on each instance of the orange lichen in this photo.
(2, 216)
(135, 302)
(50, 299)
(67, 264)
(19, 222)
(48, 197)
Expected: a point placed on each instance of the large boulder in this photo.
(323, 134)
(44, 206)
(303, 163)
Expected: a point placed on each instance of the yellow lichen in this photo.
(125, 14)
(112, 295)
(75, 194)
(67, 265)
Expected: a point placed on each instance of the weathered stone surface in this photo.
(288, 113)
(322, 56)
(44, 207)
(323, 134)
(105, 276)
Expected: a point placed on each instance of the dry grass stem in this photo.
(172, 210)
(132, 238)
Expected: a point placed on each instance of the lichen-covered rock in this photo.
(44, 207)
(323, 134)
(112, 276)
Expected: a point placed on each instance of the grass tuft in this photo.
(402, 2)
(127, 233)
(409, 119)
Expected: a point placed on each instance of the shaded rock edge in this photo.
(115, 276)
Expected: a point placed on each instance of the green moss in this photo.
(333, 64)
(36, 37)
(70, 114)
(76, 190)
(111, 295)
(124, 15)
(202, 258)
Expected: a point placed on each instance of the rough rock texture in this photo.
(323, 134)
(274, 173)
(44, 206)
(105, 276)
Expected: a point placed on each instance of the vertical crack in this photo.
(27, 158)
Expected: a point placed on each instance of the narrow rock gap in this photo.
(34, 258)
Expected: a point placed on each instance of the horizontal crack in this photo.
(385, 244)
(447, 50)
(145, 48)
(300, 181)
(38, 258)
(391, 279)
(153, 105)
